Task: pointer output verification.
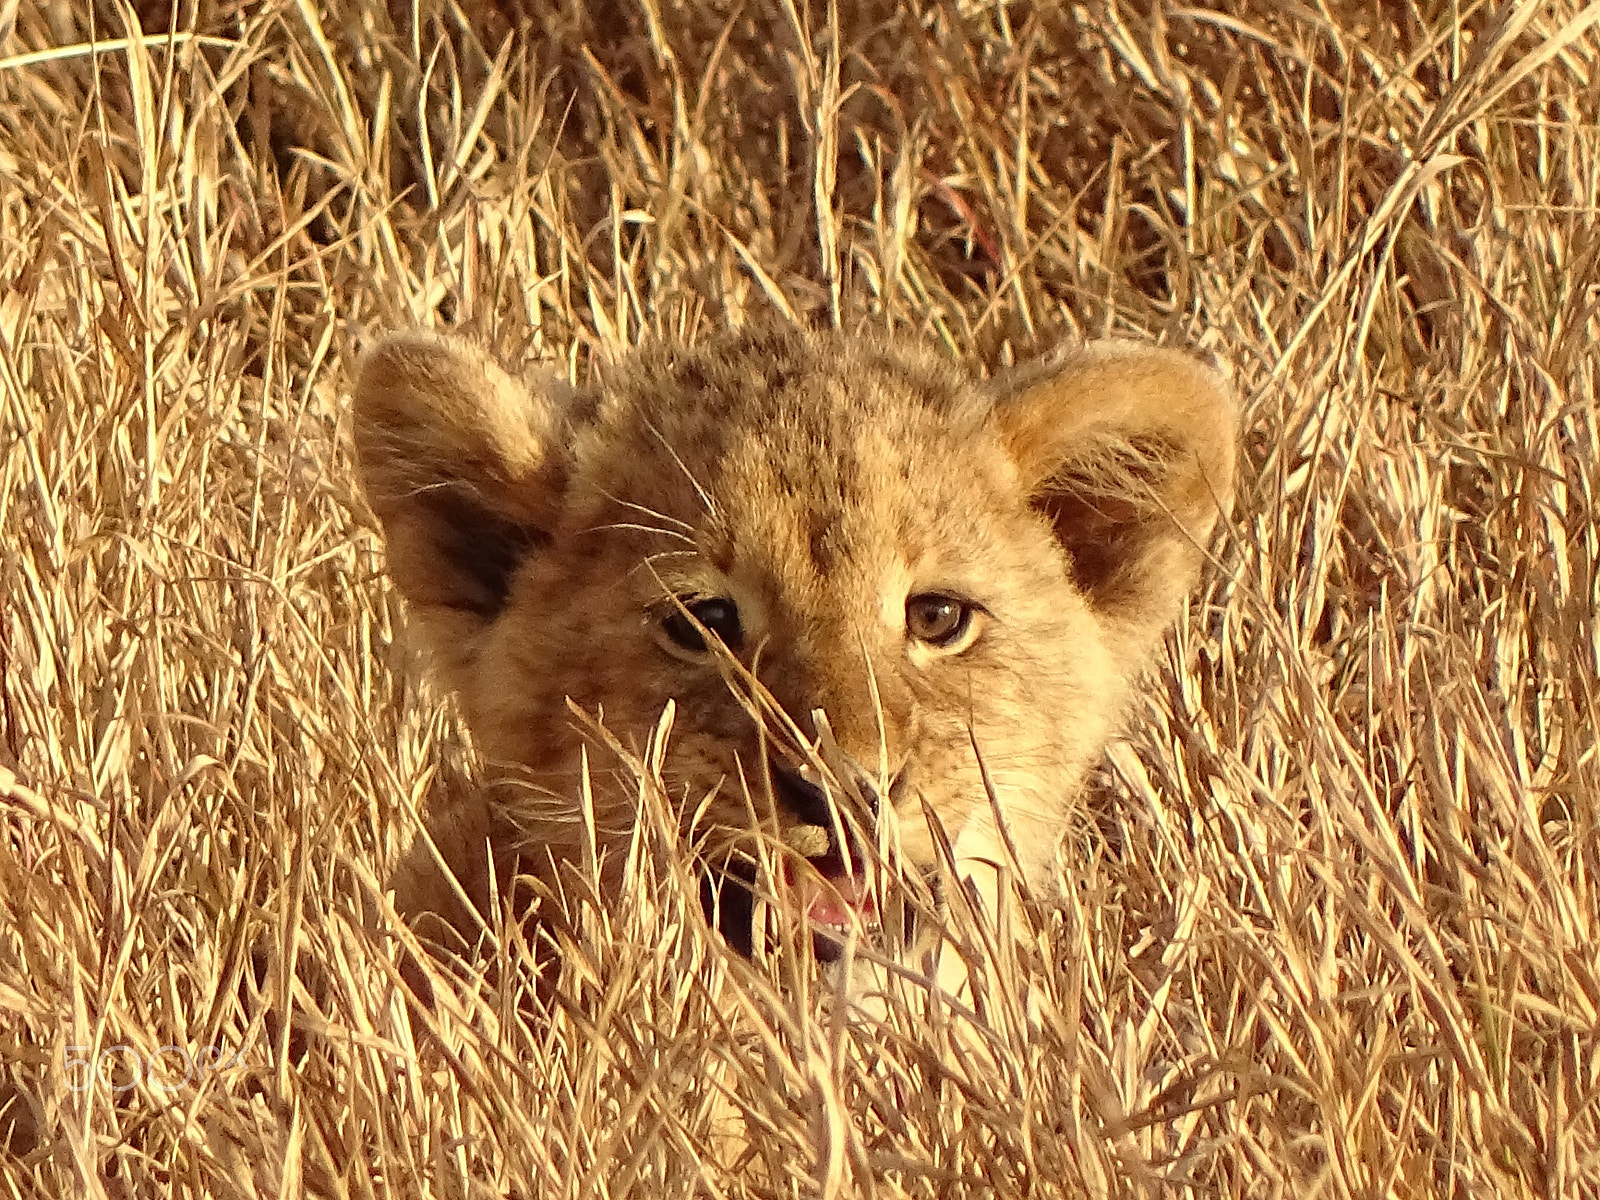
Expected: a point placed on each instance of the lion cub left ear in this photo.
(466, 468)
(1128, 450)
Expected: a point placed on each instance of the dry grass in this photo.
(1335, 930)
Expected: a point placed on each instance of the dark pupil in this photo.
(721, 617)
(935, 619)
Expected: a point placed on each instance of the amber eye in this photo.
(720, 616)
(938, 620)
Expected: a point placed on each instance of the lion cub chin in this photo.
(895, 606)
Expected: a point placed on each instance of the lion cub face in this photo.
(818, 548)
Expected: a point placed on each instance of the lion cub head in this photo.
(853, 567)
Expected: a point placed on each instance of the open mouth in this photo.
(827, 876)
(836, 900)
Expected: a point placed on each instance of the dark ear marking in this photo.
(1128, 451)
(482, 546)
(1107, 510)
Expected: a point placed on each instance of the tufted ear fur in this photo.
(464, 466)
(1128, 450)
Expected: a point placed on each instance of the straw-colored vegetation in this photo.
(1333, 920)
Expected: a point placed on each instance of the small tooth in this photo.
(808, 841)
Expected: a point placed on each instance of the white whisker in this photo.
(705, 497)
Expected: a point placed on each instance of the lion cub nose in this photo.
(815, 833)
(805, 800)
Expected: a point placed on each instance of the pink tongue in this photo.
(841, 901)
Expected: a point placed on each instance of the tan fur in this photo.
(817, 481)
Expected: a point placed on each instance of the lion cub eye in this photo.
(940, 621)
(720, 616)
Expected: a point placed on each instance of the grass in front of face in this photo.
(1331, 922)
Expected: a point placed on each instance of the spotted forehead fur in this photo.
(799, 450)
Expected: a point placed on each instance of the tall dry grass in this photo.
(1333, 928)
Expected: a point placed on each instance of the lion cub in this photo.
(880, 591)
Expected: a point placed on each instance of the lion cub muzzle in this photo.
(827, 863)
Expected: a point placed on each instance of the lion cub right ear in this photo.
(465, 467)
(1128, 450)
